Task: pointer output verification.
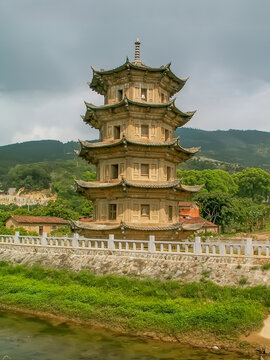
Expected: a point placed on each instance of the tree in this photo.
(89, 176)
(59, 208)
(4, 215)
(213, 180)
(31, 177)
(217, 207)
(253, 183)
(249, 215)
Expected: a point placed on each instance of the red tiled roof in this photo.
(38, 219)
(197, 219)
(84, 219)
(187, 203)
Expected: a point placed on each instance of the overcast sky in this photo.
(48, 46)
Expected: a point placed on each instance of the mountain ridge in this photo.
(248, 148)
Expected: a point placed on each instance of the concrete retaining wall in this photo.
(221, 269)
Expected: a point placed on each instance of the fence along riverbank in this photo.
(246, 248)
(225, 263)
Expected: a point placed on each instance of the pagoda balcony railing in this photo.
(228, 247)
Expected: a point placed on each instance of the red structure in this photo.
(189, 213)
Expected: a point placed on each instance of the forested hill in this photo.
(35, 151)
(247, 148)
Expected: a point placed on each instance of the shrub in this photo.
(243, 281)
(266, 266)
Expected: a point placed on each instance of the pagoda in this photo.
(136, 193)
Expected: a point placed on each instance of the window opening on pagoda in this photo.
(168, 173)
(115, 171)
(144, 94)
(145, 210)
(112, 211)
(166, 134)
(170, 213)
(116, 132)
(145, 170)
(145, 131)
(120, 94)
(162, 97)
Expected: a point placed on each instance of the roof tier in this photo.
(79, 225)
(132, 72)
(165, 112)
(23, 219)
(96, 150)
(173, 190)
(196, 220)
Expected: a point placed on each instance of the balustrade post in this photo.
(151, 243)
(16, 238)
(249, 247)
(44, 241)
(75, 242)
(197, 245)
(111, 244)
(222, 249)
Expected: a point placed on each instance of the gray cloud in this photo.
(47, 48)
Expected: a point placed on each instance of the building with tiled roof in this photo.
(136, 193)
(189, 214)
(38, 224)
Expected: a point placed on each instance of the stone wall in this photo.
(221, 269)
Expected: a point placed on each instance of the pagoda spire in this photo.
(137, 59)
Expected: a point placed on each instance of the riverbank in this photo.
(24, 337)
(200, 314)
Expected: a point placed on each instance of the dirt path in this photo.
(263, 336)
(265, 332)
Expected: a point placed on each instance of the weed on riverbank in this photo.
(130, 304)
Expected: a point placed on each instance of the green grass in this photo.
(267, 226)
(135, 305)
(266, 266)
(243, 281)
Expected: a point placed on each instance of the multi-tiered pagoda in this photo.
(136, 193)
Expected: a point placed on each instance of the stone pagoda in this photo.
(136, 193)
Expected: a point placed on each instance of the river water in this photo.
(25, 337)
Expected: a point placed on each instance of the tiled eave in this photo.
(95, 114)
(87, 147)
(92, 226)
(100, 78)
(176, 185)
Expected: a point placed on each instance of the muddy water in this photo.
(28, 338)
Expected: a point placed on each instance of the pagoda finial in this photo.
(137, 58)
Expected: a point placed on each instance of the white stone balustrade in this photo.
(246, 248)
(7, 239)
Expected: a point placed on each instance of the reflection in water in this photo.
(29, 338)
